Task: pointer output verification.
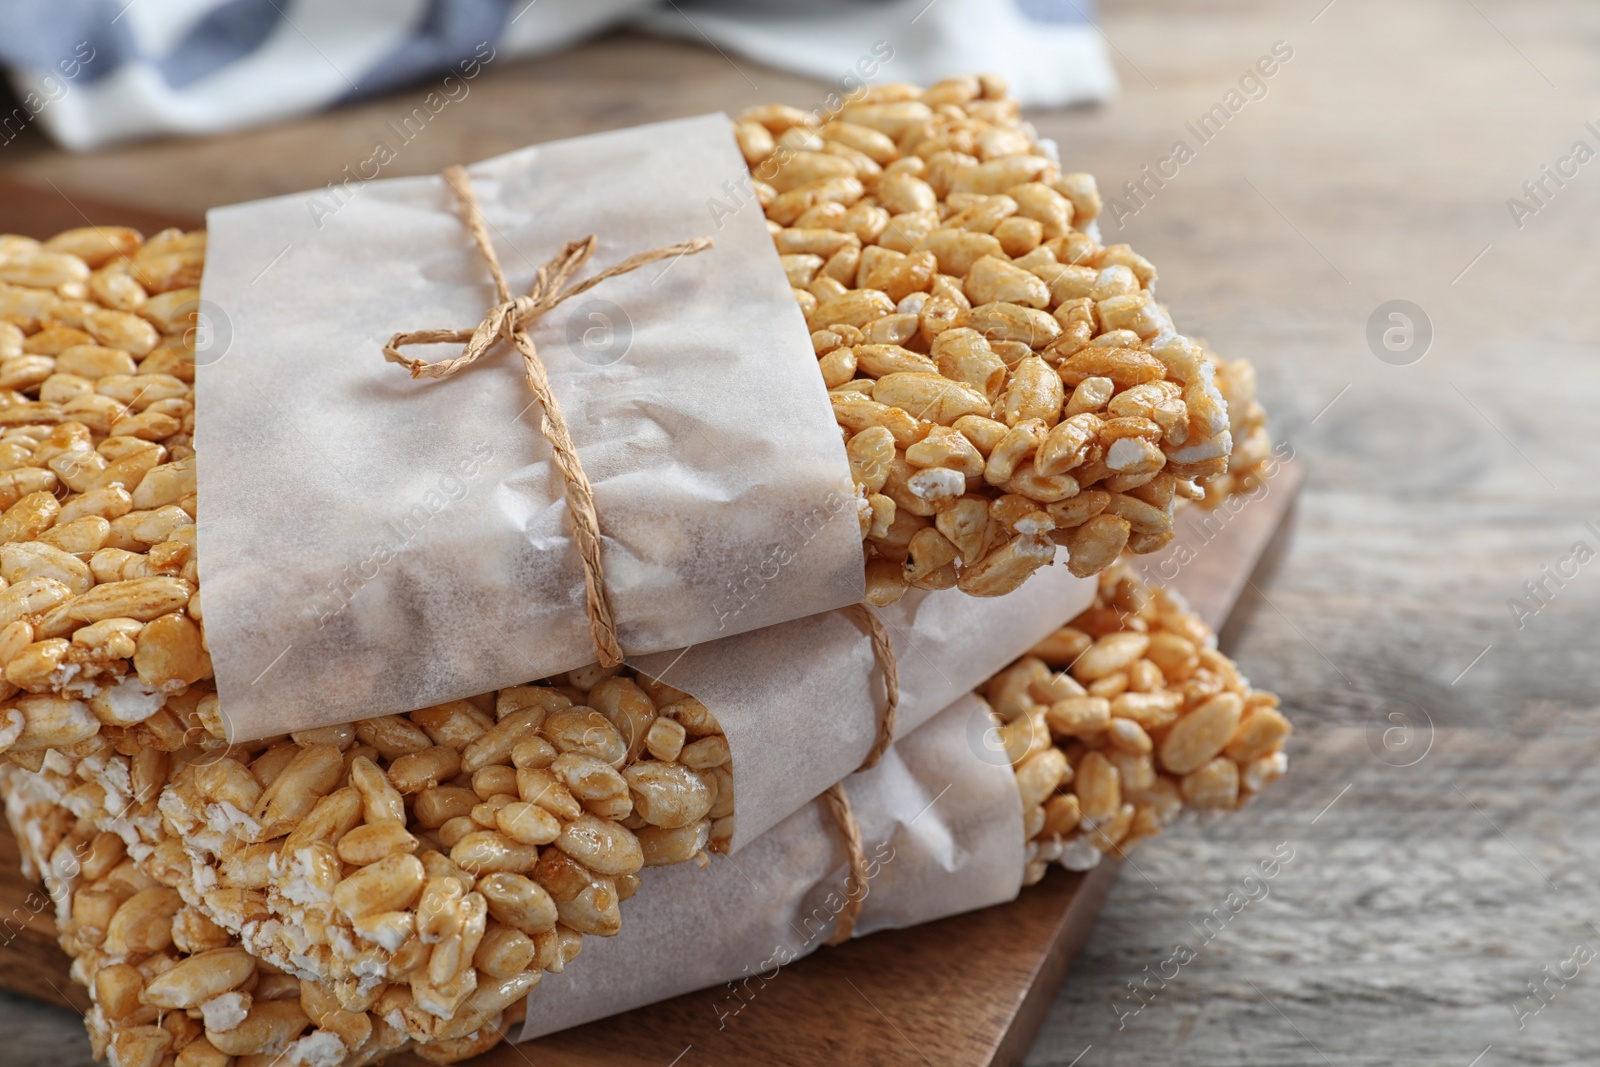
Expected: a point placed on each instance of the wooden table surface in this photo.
(1444, 803)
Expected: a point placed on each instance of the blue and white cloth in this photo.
(91, 72)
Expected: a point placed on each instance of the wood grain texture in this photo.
(1377, 166)
(30, 960)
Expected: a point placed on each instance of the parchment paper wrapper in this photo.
(799, 703)
(372, 544)
(943, 834)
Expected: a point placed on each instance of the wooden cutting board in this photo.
(971, 989)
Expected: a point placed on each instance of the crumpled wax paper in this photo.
(941, 828)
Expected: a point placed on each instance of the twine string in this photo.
(883, 652)
(855, 890)
(838, 802)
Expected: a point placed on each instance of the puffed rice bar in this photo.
(1116, 724)
(1020, 442)
(99, 588)
(1125, 718)
(410, 865)
(170, 988)
(1004, 383)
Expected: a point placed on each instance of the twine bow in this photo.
(509, 319)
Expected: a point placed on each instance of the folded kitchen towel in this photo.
(91, 72)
